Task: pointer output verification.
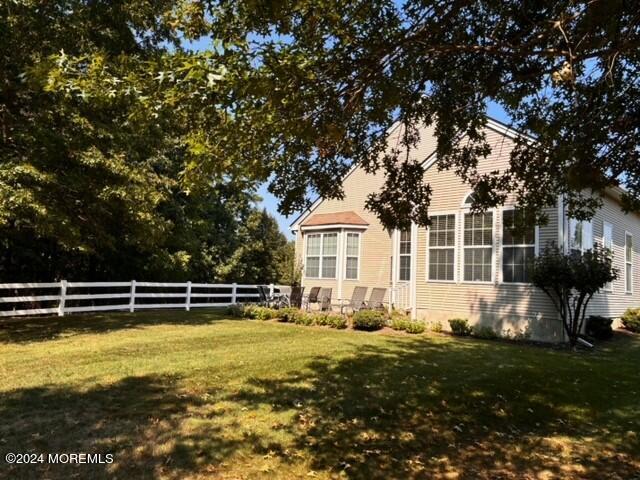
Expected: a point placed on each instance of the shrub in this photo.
(336, 321)
(290, 314)
(571, 280)
(599, 327)
(304, 319)
(631, 319)
(235, 310)
(484, 332)
(368, 320)
(436, 326)
(264, 313)
(321, 318)
(460, 326)
(250, 311)
(399, 324)
(414, 327)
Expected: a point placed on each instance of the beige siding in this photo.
(614, 304)
(375, 242)
(502, 306)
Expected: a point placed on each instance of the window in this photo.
(404, 273)
(353, 254)
(518, 247)
(607, 242)
(312, 268)
(478, 246)
(628, 262)
(442, 241)
(580, 235)
(322, 249)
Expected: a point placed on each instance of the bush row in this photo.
(460, 327)
(288, 315)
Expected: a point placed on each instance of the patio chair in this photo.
(312, 297)
(356, 302)
(263, 295)
(376, 299)
(324, 299)
(295, 298)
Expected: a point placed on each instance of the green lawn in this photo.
(193, 395)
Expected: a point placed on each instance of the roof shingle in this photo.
(335, 218)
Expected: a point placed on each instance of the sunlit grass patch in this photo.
(178, 395)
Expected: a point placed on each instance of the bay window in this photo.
(353, 256)
(321, 255)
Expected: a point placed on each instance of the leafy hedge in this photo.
(631, 319)
(368, 320)
(460, 327)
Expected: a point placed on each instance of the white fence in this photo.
(18, 299)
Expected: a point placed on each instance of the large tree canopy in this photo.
(105, 182)
(298, 92)
(332, 76)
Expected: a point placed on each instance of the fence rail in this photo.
(23, 299)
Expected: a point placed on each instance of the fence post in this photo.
(63, 294)
(234, 293)
(132, 297)
(271, 290)
(188, 304)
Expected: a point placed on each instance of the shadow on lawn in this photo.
(36, 329)
(402, 409)
(463, 409)
(139, 420)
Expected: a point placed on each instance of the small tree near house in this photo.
(571, 280)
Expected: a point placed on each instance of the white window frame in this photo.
(347, 256)
(400, 255)
(455, 247)
(573, 224)
(628, 262)
(536, 247)
(464, 247)
(321, 255)
(608, 288)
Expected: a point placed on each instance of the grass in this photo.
(194, 395)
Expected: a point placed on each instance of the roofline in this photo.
(305, 213)
(491, 123)
(329, 226)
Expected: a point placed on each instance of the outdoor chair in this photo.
(269, 300)
(312, 297)
(263, 295)
(295, 298)
(324, 299)
(356, 302)
(376, 299)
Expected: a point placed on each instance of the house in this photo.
(463, 265)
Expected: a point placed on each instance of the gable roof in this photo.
(334, 218)
(428, 161)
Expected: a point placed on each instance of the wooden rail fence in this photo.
(19, 299)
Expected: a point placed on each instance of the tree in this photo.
(570, 280)
(258, 256)
(330, 77)
(95, 178)
(289, 268)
